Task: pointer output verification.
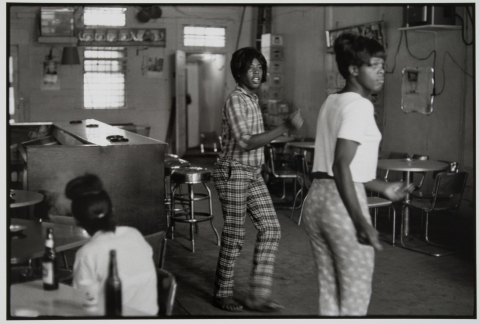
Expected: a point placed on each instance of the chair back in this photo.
(398, 155)
(302, 170)
(397, 175)
(420, 157)
(158, 242)
(452, 166)
(270, 158)
(166, 291)
(448, 189)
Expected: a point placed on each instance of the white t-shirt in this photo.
(348, 116)
(135, 265)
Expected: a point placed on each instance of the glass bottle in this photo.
(49, 263)
(113, 289)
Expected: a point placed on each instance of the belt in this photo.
(321, 175)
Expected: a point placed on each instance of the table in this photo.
(407, 166)
(303, 145)
(30, 243)
(24, 198)
(66, 301)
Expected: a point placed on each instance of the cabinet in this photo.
(132, 172)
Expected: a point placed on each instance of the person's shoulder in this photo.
(355, 100)
(237, 92)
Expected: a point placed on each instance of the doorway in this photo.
(206, 87)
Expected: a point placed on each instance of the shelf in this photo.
(432, 27)
(58, 40)
(118, 43)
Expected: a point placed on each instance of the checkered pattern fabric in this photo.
(242, 118)
(242, 191)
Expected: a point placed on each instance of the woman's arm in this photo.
(392, 190)
(344, 153)
(294, 121)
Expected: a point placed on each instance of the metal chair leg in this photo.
(301, 210)
(426, 239)
(211, 212)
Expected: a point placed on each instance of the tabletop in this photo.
(30, 243)
(304, 145)
(411, 165)
(29, 299)
(24, 198)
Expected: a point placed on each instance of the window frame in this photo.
(122, 62)
(209, 47)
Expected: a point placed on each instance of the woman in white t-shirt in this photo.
(346, 151)
(92, 209)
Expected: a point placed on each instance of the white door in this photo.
(180, 103)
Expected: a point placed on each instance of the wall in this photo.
(211, 82)
(148, 100)
(193, 110)
(447, 134)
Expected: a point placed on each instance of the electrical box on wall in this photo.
(417, 90)
(428, 15)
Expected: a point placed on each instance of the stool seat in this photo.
(172, 164)
(190, 175)
(170, 157)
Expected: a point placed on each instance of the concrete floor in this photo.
(406, 284)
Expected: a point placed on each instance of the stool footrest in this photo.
(196, 197)
(177, 217)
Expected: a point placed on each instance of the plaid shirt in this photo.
(242, 118)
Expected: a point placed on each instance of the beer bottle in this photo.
(49, 263)
(113, 289)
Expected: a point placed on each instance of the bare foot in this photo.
(228, 304)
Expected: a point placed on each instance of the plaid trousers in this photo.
(242, 191)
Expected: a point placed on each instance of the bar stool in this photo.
(191, 176)
(172, 162)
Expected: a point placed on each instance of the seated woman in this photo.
(92, 209)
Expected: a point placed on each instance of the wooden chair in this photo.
(158, 242)
(166, 290)
(447, 196)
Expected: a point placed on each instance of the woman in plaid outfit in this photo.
(241, 188)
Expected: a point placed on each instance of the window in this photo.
(101, 16)
(203, 36)
(104, 77)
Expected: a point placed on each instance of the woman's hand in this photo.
(397, 190)
(368, 235)
(294, 120)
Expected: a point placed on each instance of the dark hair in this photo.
(355, 50)
(91, 205)
(243, 58)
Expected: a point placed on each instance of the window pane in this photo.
(203, 36)
(103, 66)
(101, 16)
(104, 90)
(104, 77)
